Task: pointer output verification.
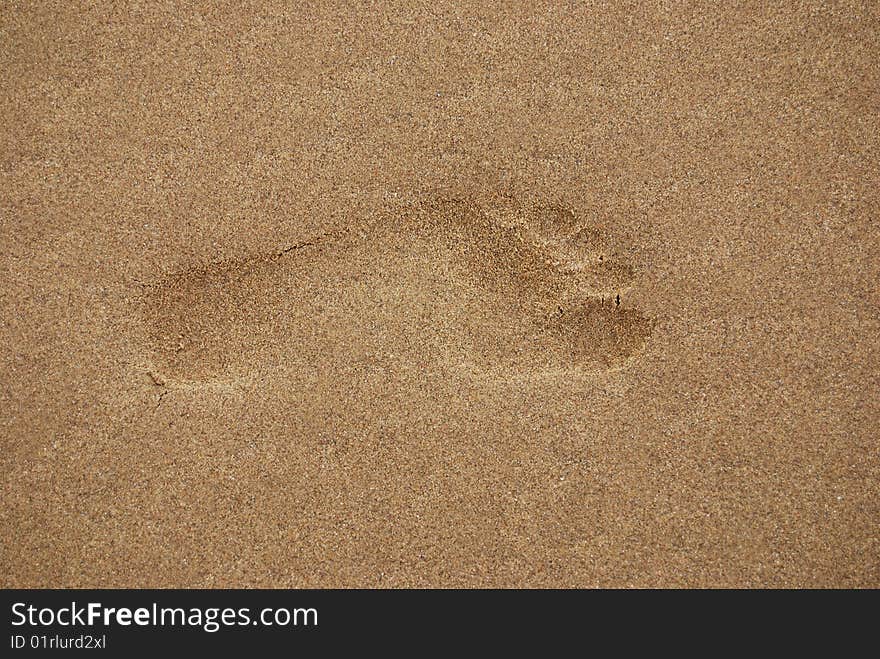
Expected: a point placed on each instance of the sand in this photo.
(456, 294)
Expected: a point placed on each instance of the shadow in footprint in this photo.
(452, 283)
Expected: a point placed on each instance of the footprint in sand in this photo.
(453, 283)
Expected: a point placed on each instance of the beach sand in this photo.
(457, 294)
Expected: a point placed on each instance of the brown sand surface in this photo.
(440, 294)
